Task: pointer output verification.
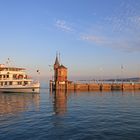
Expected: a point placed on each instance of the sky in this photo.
(96, 38)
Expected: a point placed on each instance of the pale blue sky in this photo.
(94, 37)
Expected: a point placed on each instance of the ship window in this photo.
(19, 83)
(1, 83)
(14, 76)
(20, 76)
(25, 83)
(10, 83)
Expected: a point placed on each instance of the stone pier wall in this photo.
(128, 86)
(97, 86)
(105, 86)
(116, 86)
(137, 86)
(94, 86)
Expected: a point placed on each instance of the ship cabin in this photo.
(10, 76)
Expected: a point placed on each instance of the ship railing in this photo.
(15, 78)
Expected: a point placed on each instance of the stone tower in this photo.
(60, 75)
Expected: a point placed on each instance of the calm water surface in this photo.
(70, 116)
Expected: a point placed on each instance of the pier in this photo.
(95, 86)
(61, 82)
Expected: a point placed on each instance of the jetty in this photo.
(60, 82)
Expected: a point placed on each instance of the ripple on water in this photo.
(72, 116)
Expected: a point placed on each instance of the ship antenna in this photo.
(8, 62)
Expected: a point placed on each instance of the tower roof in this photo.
(63, 67)
(56, 61)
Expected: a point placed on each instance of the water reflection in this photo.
(106, 93)
(60, 97)
(14, 103)
(60, 102)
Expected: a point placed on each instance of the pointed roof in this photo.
(56, 61)
(63, 67)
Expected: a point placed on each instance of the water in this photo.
(70, 116)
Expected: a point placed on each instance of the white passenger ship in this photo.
(13, 79)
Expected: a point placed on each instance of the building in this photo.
(61, 82)
(60, 75)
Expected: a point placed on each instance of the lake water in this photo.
(70, 116)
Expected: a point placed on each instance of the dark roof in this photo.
(56, 61)
(62, 66)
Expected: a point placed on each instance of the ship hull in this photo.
(21, 90)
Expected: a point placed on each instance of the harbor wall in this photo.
(61, 82)
(128, 86)
(137, 86)
(95, 86)
(116, 86)
(105, 86)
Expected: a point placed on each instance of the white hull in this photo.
(21, 90)
(33, 88)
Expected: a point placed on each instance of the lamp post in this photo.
(101, 72)
(122, 68)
